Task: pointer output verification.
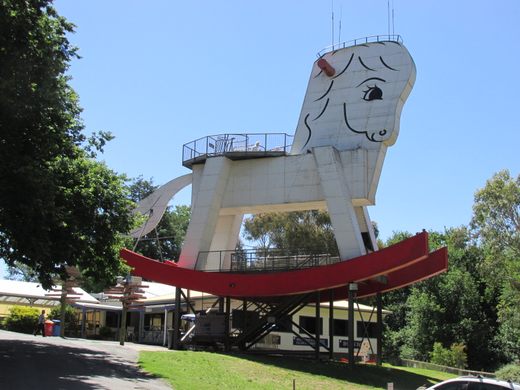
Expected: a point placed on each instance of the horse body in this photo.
(350, 115)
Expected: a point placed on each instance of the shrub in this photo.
(454, 357)
(510, 372)
(459, 358)
(22, 319)
(106, 333)
(71, 320)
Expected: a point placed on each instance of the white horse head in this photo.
(354, 97)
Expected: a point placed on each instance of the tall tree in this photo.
(305, 231)
(450, 308)
(496, 224)
(58, 206)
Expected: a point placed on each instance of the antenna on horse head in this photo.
(332, 22)
(388, 15)
(393, 25)
(340, 17)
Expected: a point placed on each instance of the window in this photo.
(237, 318)
(370, 331)
(484, 386)
(153, 321)
(458, 385)
(283, 324)
(341, 328)
(309, 324)
(111, 319)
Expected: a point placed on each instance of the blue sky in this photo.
(161, 73)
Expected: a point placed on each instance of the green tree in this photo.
(19, 271)
(305, 231)
(455, 356)
(496, 225)
(450, 308)
(58, 206)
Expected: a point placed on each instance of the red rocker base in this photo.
(396, 266)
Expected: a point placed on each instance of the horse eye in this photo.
(373, 93)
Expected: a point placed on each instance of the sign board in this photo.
(343, 343)
(311, 341)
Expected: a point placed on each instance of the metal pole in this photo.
(331, 325)
(352, 289)
(177, 319)
(227, 345)
(317, 328)
(379, 357)
(244, 322)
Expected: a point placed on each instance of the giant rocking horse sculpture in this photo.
(350, 116)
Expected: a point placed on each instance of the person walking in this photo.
(41, 324)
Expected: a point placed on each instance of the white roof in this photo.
(14, 291)
(157, 289)
(98, 306)
(151, 292)
(344, 305)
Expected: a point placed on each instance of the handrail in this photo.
(259, 260)
(359, 41)
(256, 144)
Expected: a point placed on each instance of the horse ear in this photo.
(326, 67)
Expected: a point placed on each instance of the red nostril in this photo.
(326, 67)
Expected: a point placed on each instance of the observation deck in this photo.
(236, 147)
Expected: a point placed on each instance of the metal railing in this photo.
(222, 144)
(259, 260)
(360, 41)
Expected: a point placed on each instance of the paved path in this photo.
(35, 362)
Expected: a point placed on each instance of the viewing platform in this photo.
(236, 147)
(264, 260)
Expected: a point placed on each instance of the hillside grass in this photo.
(204, 370)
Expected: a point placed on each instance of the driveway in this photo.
(35, 362)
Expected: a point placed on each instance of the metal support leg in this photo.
(227, 345)
(331, 325)
(177, 319)
(352, 289)
(244, 322)
(317, 328)
(379, 357)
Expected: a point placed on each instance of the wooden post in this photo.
(63, 307)
(122, 330)
(83, 322)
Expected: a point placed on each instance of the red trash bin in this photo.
(48, 327)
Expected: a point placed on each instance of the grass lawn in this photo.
(204, 370)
